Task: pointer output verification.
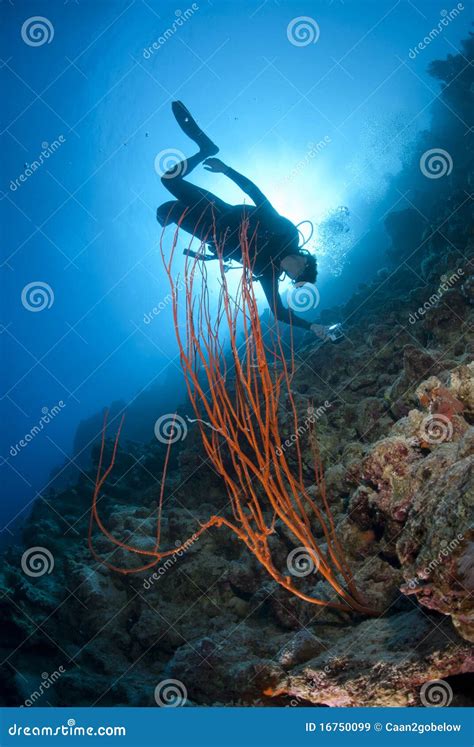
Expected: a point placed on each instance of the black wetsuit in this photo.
(271, 237)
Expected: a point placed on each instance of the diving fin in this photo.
(192, 129)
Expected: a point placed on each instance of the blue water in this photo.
(98, 94)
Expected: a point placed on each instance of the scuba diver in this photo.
(274, 243)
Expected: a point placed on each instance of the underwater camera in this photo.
(335, 332)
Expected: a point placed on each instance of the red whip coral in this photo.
(240, 433)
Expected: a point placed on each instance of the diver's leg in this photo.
(206, 147)
(169, 212)
(191, 128)
(198, 219)
(197, 205)
(190, 194)
(176, 172)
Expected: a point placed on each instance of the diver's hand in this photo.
(320, 331)
(215, 165)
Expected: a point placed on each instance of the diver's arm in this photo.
(269, 285)
(250, 189)
(245, 184)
